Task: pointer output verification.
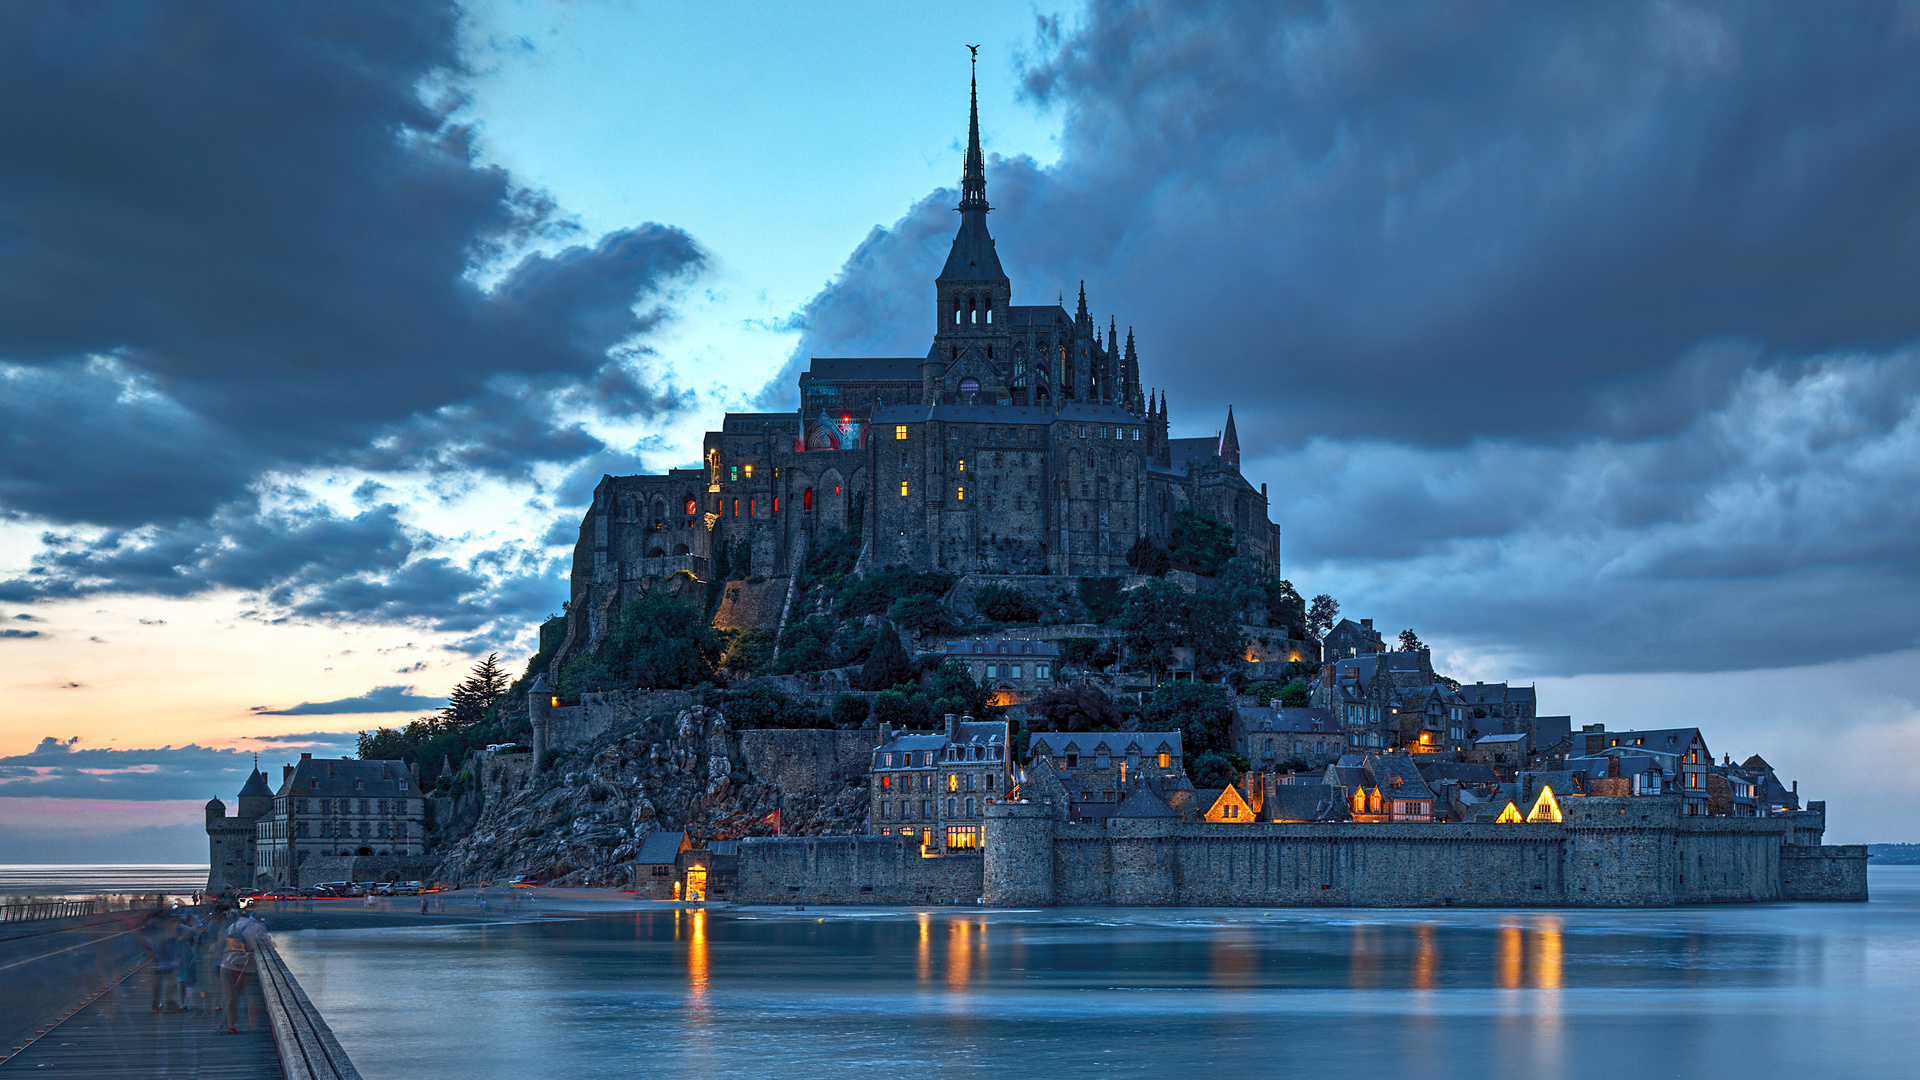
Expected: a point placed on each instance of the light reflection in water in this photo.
(697, 958)
(959, 954)
(1507, 957)
(1426, 956)
(923, 970)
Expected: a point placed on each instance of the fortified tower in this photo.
(1019, 854)
(540, 700)
(230, 840)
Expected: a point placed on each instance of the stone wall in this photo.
(808, 760)
(1627, 852)
(1833, 872)
(321, 868)
(598, 715)
(853, 870)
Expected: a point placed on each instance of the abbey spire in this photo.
(972, 289)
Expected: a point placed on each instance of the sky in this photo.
(1581, 339)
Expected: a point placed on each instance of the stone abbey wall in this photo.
(852, 870)
(1621, 852)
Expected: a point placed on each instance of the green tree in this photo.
(1161, 617)
(805, 645)
(921, 613)
(1295, 695)
(1200, 542)
(659, 642)
(749, 651)
(1410, 641)
(476, 693)
(850, 711)
(1322, 615)
(1265, 690)
(1102, 598)
(951, 682)
(1257, 595)
(1211, 770)
(889, 664)
(1005, 604)
(1076, 708)
(765, 706)
(1201, 712)
(1148, 557)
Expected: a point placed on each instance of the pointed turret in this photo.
(1081, 319)
(1130, 371)
(1116, 391)
(1166, 446)
(1230, 443)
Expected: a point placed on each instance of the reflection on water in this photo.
(1761, 991)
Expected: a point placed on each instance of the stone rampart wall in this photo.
(852, 870)
(1830, 872)
(811, 760)
(597, 715)
(364, 868)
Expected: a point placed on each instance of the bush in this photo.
(1200, 542)
(1162, 617)
(921, 613)
(1102, 598)
(659, 642)
(1076, 708)
(850, 711)
(876, 593)
(1201, 712)
(1148, 557)
(1006, 604)
(749, 651)
(807, 645)
(889, 665)
(896, 708)
(767, 707)
(1211, 770)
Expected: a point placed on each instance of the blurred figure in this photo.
(160, 937)
(242, 938)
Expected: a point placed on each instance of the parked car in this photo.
(524, 881)
(333, 888)
(406, 888)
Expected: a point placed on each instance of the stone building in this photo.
(338, 807)
(1022, 442)
(935, 786)
(1096, 767)
(1269, 735)
(1017, 664)
(1349, 639)
(1392, 701)
(231, 845)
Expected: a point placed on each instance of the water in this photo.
(1781, 990)
(80, 881)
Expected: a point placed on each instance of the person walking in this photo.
(244, 936)
(159, 937)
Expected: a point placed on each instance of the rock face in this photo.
(581, 821)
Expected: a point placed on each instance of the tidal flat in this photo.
(1769, 990)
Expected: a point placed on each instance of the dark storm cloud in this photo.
(234, 237)
(1579, 333)
(380, 699)
(59, 768)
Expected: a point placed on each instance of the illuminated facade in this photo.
(935, 786)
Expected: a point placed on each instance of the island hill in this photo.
(973, 625)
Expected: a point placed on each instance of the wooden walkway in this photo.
(116, 1034)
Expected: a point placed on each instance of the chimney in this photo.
(1367, 623)
(953, 726)
(286, 773)
(1613, 765)
(306, 757)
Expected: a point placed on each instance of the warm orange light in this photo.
(556, 701)
(1510, 814)
(953, 781)
(1547, 808)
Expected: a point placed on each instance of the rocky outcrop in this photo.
(581, 821)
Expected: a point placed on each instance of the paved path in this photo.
(117, 1034)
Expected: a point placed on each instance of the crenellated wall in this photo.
(1608, 852)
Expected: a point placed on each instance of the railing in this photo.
(68, 909)
(308, 1050)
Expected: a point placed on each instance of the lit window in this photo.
(776, 504)
(900, 431)
(963, 465)
(953, 781)
(903, 489)
(960, 494)
(749, 470)
(733, 472)
(690, 507)
(1164, 758)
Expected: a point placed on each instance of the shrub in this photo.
(850, 711)
(1102, 598)
(1076, 708)
(659, 642)
(1006, 604)
(1200, 542)
(920, 613)
(1148, 557)
(767, 707)
(889, 663)
(1201, 712)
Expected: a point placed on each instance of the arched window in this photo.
(806, 502)
(691, 507)
(969, 385)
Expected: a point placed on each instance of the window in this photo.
(1135, 433)
(963, 836)
(382, 831)
(363, 806)
(748, 469)
(1166, 758)
(960, 494)
(776, 504)
(300, 830)
(1013, 671)
(886, 782)
(963, 465)
(1040, 670)
(886, 809)
(970, 811)
(299, 806)
(400, 830)
(887, 760)
(903, 489)
(1073, 761)
(899, 431)
(953, 784)
(733, 472)
(806, 502)
(993, 671)
(750, 508)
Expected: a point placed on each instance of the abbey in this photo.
(1022, 442)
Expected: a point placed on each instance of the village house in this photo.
(1094, 767)
(335, 807)
(1382, 787)
(1271, 734)
(1681, 754)
(936, 785)
(1026, 667)
(1349, 639)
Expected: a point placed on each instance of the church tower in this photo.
(972, 291)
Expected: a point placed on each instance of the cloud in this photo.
(10, 632)
(380, 699)
(60, 769)
(1576, 336)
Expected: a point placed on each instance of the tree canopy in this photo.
(1161, 617)
(1322, 615)
(1075, 708)
(1199, 542)
(659, 642)
(1201, 712)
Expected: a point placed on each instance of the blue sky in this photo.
(1580, 339)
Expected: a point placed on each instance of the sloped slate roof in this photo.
(661, 847)
(349, 776)
(1304, 802)
(1143, 803)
